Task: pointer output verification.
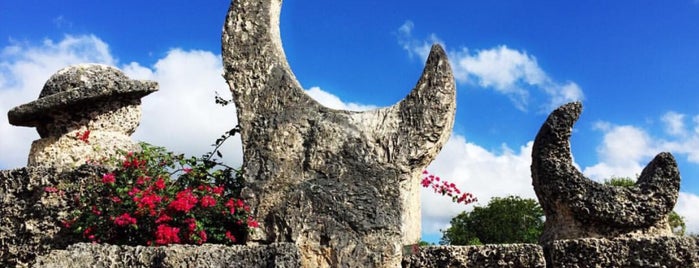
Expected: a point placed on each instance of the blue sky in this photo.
(634, 64)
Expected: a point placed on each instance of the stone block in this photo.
(282, 255)
(663, 251)
(503, 255)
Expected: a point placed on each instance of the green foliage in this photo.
(676, 221)
(423, 243)
(504, 220)
(620, 181)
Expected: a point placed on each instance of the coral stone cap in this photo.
(76, 85)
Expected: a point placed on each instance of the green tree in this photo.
(676, 221)
(504, 220)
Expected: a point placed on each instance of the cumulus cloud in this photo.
(621, 153)
(687, 208)
(332, 101)
(414, 47)
(507, 71)
(182, 115)
(674, 123)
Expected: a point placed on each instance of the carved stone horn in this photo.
(342, 185)
(578, 207)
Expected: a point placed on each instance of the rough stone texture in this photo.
(342, 185)
(30, 220)
(76, 99)
(577, 207)
(663, 251)
(207, 255)
(505, 255)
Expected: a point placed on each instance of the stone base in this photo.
(666, 251)
(207, 255)
(505, 255)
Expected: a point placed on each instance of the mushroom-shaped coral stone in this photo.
(84, 112)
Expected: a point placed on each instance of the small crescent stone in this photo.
(578, 207)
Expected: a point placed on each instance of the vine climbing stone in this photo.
(84, 112)
(341, 185)
(577, 207)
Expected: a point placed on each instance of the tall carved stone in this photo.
(342, 185)
(577, 207)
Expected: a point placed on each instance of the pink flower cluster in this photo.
(444, 187)
(139, 205)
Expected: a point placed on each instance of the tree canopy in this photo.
(504, 220)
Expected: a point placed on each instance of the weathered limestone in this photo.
(577, 207)
(32, 213)
(662, 251)
(505, 255)
(84, 112)
(283, 255)
(342, 185)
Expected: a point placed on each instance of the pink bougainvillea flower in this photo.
(252, 223)
(202, 237)
(124, 220)
(426, 182)
(142, 180)
(240, 203)
(147, 201)
(217, 190)
(187, 170)
(133, 191)
(184, 201)
(163, 218)
(446, 188)
(115, 199)
(191, 224)
(108, 178)
(166, 234)
(230, 236)
(207, 201)
(231, 205)
(96, 211)
(160, 183)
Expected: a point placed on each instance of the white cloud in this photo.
(182, 115)
(332, 101)
(674, 123)
(510, 72)
(687, 208)
(414, 47)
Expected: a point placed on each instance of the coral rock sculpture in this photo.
(577, 207)
(84, 112)
(342, 185)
